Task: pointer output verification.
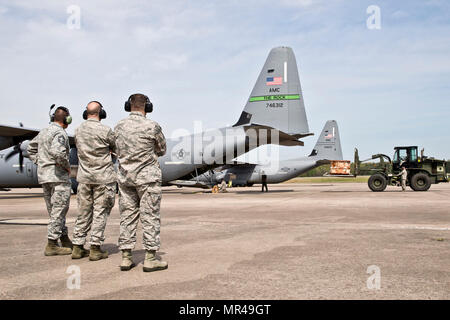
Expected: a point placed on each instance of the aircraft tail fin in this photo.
(276, 100)
(328, 146)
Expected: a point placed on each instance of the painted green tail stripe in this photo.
(277, 97)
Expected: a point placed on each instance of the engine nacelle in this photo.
(24, 147)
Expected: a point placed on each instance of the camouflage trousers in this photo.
(57, 199)
(140, 202)
(94, 206)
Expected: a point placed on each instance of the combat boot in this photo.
(65, 241)
(97, 253)
(153, 264)
(79, 252)
(52, 249)
(127, 262)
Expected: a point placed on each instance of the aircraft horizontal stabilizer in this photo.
(274, 136)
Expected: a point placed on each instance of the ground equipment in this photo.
(422, 171)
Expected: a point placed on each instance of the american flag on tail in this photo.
(272, 81)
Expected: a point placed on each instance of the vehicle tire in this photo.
(420, 182)
(377, 182)
(249, 184)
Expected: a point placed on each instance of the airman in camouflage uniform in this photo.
(50, 151)
(139, 143)
(97, 182)
(404, 176)
(223, 186)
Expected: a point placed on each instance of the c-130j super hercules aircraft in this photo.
(274, 114)
(327, 149)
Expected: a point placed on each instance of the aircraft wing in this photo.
(12, 135)
(17, 134)
(238, 164)
(188, 183)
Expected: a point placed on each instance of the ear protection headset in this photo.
(67, 119)
(148, 105)
(102, 113)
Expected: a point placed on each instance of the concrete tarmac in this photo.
(298, 241)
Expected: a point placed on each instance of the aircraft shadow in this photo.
(6, 222)
(185, 192)
(318, 185)
(339, 191)
(111, 248)
(353, 191)
(22, 196)
(259, 191)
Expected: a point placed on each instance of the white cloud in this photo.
(199, 60)
(299, 3)
(400, 14)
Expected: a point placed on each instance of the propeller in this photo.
(17, 150)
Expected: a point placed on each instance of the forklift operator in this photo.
(404, 175)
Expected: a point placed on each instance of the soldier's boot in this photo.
(79, 252)
(52, 249)
(127, 261)
(97, 253)
(65, 241)
(153, 264)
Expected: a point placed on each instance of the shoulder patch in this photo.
(61, 140)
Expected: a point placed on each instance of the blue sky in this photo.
(198, 60)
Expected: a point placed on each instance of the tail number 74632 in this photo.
(274, 105)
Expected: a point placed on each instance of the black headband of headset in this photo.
(148, 104)
(102, 113)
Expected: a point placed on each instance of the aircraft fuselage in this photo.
(12, 177)
(285, 170)
(276, 173)
(184, 156)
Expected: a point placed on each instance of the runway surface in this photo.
(299, 241)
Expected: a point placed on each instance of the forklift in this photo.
(422, 171)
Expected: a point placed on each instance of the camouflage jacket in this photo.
(139, 143)
(50, 151)
(403, 174)
(95, 142)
